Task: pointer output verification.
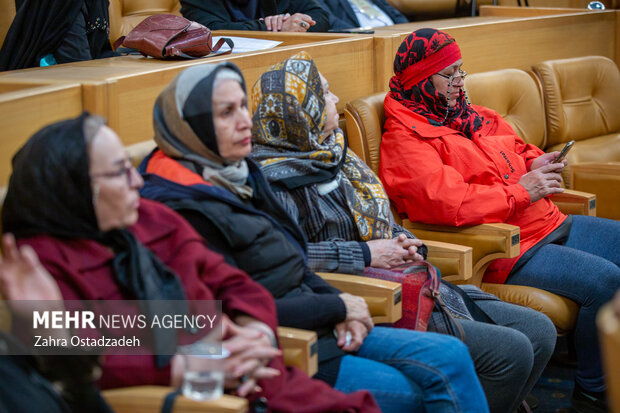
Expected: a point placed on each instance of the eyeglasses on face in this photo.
(126, 169)
(462, 74)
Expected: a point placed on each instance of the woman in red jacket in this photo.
(73, 198)
(444, 161)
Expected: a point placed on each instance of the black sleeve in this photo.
(320, 308)
(312, 9)
(311, 311)
(74, 46)
(395, 15)
(210, 233)
(319, 285)
(214, 15)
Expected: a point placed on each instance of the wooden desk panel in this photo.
(123, 89)
(492, 43)
(23, 112)
(130, 98)
(520, 44)
(507, 11)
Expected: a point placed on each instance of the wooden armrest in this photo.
(384, 298)
(561, 310)
(454, 261)
(575, 202)
(148, 399)
(489, 241)
(300, 349)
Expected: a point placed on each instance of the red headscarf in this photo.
(422, 54)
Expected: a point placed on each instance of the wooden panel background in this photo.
(23, 112)
(504, 42)
(123, 89)
(347, 64)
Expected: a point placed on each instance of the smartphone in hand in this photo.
(564, 151)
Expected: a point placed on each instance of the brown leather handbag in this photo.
(166, 36)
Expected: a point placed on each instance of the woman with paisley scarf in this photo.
(445, 161)
(74, 207)
(203, 132)
(345, 213)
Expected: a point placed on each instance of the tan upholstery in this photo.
(608, 323)
(582, 96)
(365, 118)
(126, 14)
(582, 103)
(514, 95)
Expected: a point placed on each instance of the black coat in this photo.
(259, 237)
(216, 14)
(72, 30)
(342, 16)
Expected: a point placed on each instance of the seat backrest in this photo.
(138, 151)
(582, 98)
(608, 323)
(515, 95)
(6, 17)
(365, 118)
(127, 14)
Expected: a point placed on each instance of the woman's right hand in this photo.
(543, 181)
(388, 253)
(357, 309)
(250, 352)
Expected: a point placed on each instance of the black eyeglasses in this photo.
(462, 75)
(126, 169)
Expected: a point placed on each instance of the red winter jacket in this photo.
(82, 269)
(436, 175)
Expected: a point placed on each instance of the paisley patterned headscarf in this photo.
(287, 140)
(422, 54)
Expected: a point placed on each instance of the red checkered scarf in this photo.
(422, 54)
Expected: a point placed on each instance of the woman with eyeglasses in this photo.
(74, 207)
(345, 214)
(203, 131)
(445, 161)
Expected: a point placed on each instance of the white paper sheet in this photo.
(247, 44)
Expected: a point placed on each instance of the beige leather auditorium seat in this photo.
(582, 102)
(365, 118)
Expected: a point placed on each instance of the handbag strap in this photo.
(214, 49)
(476, 312)
(452, 322)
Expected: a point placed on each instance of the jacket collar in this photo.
(420, 125)
(410, 120)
